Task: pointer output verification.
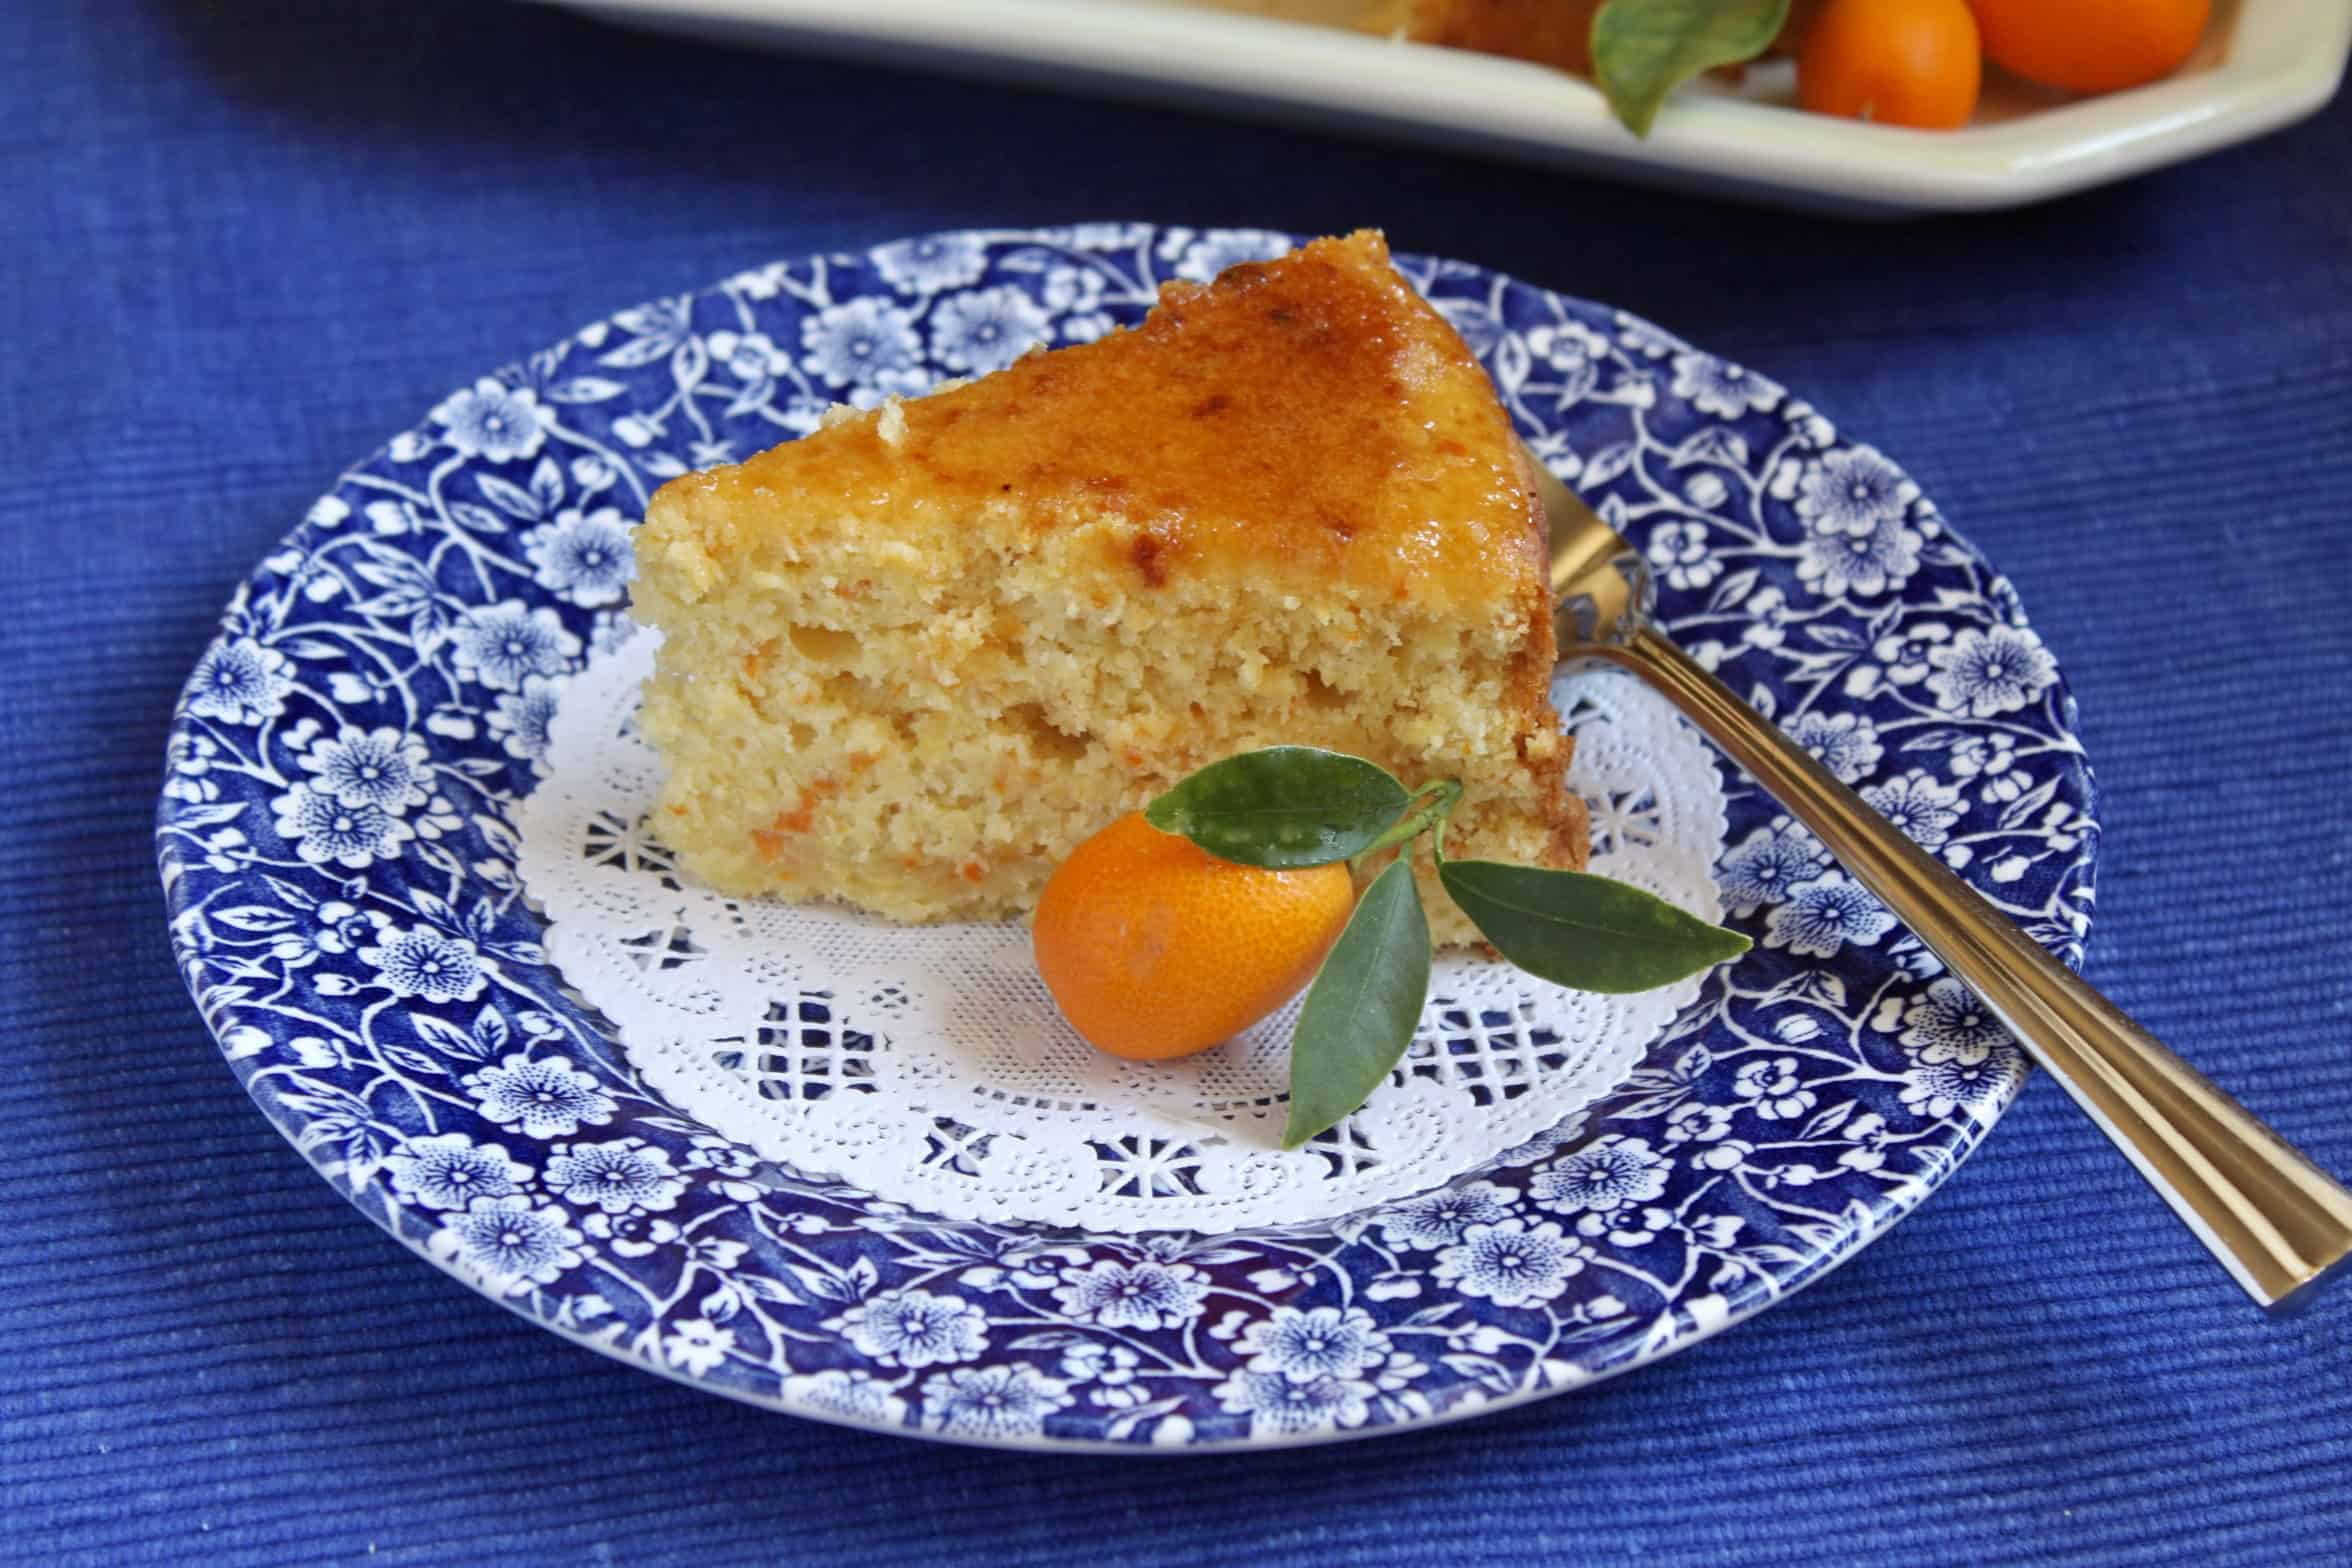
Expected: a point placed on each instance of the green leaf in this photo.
(1583, 931)
(1282, 807)
(1644, 49)
(1362, 1008)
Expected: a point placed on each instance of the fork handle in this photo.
(2276, 1221)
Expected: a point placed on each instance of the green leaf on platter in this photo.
(1644, 49)
(1282, 807)
(1587, 932)
(1362, 1008)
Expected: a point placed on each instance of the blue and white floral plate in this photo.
(338, 859)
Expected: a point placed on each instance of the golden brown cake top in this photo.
(1309, 418)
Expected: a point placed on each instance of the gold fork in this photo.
(2276, 1221)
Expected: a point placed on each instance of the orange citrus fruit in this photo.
(1898, 62)
(1156, 948)
(2090, 46)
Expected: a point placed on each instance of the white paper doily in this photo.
(928, 1064)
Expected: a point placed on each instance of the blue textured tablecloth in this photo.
(242, 243)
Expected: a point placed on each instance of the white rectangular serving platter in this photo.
(2264, 64)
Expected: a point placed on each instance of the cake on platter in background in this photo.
(1548, 32)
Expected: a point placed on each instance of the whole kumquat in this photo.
(2091, 46)
(1897, 62)
(1155, 948)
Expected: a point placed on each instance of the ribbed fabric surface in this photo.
(241, 244)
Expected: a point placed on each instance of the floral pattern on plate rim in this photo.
(335, 851)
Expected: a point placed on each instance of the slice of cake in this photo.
(913, 658)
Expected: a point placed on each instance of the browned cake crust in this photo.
(1550, 32)
(1309, 417)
